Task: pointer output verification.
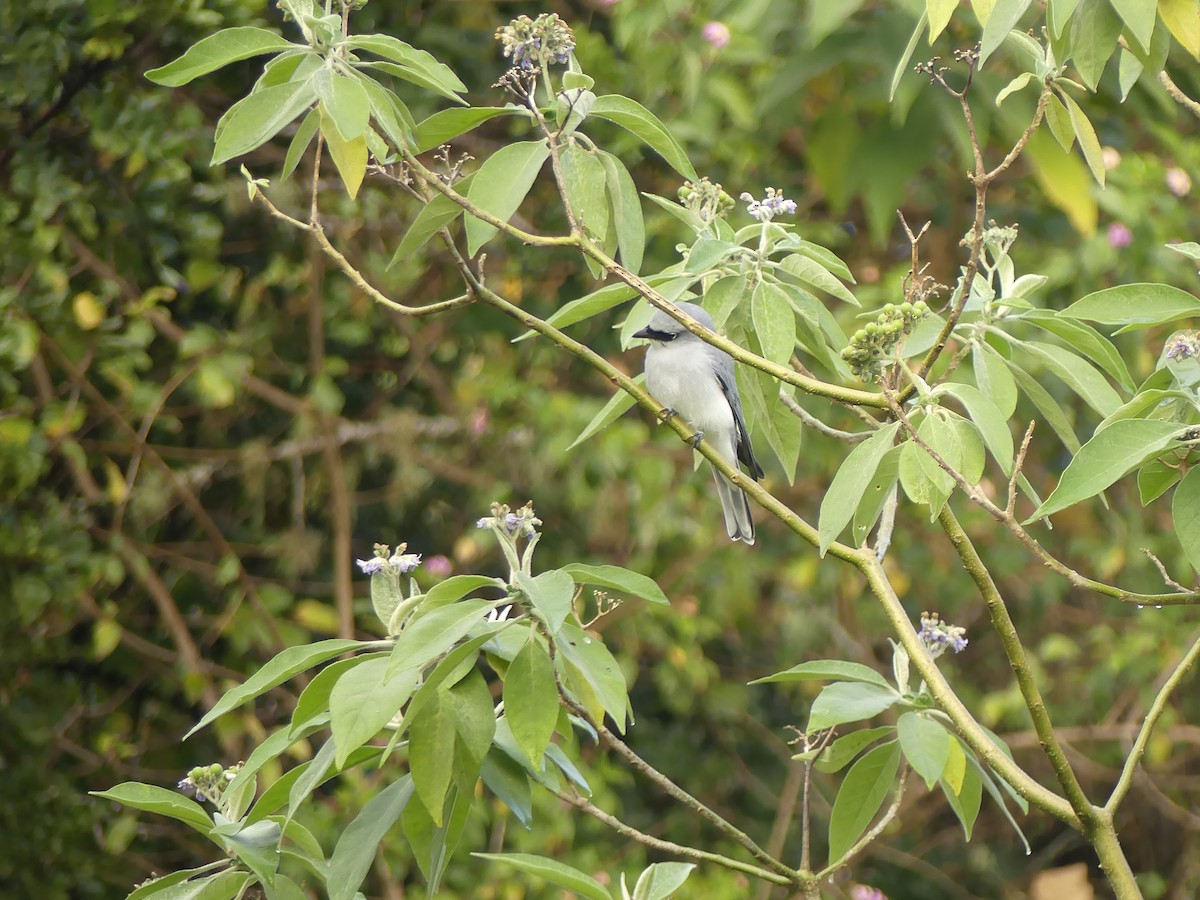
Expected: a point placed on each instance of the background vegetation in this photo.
(202, 426)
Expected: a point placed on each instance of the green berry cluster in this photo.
(209, 782)
(872, 344)
(706, 199)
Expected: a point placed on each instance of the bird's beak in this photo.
(645, 334)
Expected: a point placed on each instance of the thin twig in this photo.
(1176, 93)
(1162, 570)
(1011, 503)
(816, 424)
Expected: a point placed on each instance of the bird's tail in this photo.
(736, 506)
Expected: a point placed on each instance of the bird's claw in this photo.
(695, 439)
(666, 414)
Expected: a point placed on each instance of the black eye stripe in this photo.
(660, 335)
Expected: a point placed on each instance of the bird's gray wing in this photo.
(723, 366)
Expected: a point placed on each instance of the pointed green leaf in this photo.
(618, 579)
(349, 157)
(300, 142)
(926, 745)
(1021, 81)
(1059, 121)
(991, 422)
(531, 700)
(471, 707)
(454, 588)
(364, 700)
(435, 632)
(551, 594)
(660, 880)
(994, 379)
(879, 490)
(217, 50)
(841, 752)
(643, 124)
(500, 185)
(417, 66)
(553, 871)
(1004, 18)
(348, 106)
(617, 406)
(288, 663)
(1077, 373)
(1185, 512)
(1135, 306)
(811, 272)
(255, 119)
(1090, 344)
(845, 701)
(626, 211)
(391, 115)
(1058, 14)
(861, 797)
(1095, 28)
(599, 670)
(151, 798)
(448, 124)
(966, 800)
(774, 323)
(851, 481)
(827, 670)
(1139, 17)
(1154, 479)
(906, 56)
(431, 742)
(939, 13)
(434, 216)
(356, 848)
(510, 783)
(1110, 454)
(1086, 135)
(1047, 406)
(221, 886)
(158, 887)
(584, 182)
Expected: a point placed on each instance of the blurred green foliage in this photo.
(202, 424)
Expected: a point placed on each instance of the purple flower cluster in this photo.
(384, 560)
(531, 42)
(937, 636)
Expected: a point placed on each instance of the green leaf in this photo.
(827, 670)
(314, 699)
(391, 114)
(1087, 340)
(774, 323)
(1021, 81)
(707, 253)
(349, 156)
(217, 50)
(626, 211)
(1004, 18)
(288, 663)
(1139, 17)
(432, 844)
(348, 105)
(850, 483)
(1154, 479)
(991, 422)
(435, 215)
(300, 142)
(255, 119)
(1129, 70)
(970, 445)
(221, 886)
(1047, 406)
(555, 754)
(431, 753)
(617, 406)
(617, 579)
(661, 880)
(1094, 32)
(827, 258)
(551, 594)
(151, 798)
(1065, 180)
(531, 700)
(838, 755)
(448, 124)
(356, 848)
(861, 796)
(906, 56)
(1185, 513)
(989, 785)
(1190, 249)
(454, 588)
(510, 783)
(364, 700)
(417, 66)
(471, 708)
(845, 701)
(500, 185)
(1077, 373)
(1135, 306)
(1059, 121)
(939, 13)
(966, 800)
(785, 434)
(878, 490)
(643, 124)
(553, 871)
(994, 379)
(423, 641)
(584, 181)
(599, 670)
(158, 887)
(1086, 135)
(1110, 454)
(926, 745)
(811, 272)
(1058, 14)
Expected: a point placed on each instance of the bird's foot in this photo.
(666, 414)
(695, 439)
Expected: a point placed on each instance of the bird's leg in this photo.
(695, 439)
(666, 414)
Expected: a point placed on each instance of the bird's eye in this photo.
(663, 336)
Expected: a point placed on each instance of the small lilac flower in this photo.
(1178, 181)
(1183, 345)
(937, 636)
(1119, 235)
(863, 892)
(372, 565)
(405, 562)
(531, 42)
(439, 566)
(485, 522)
(770, 206)
(716, 33)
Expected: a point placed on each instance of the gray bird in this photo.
(695, 380)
